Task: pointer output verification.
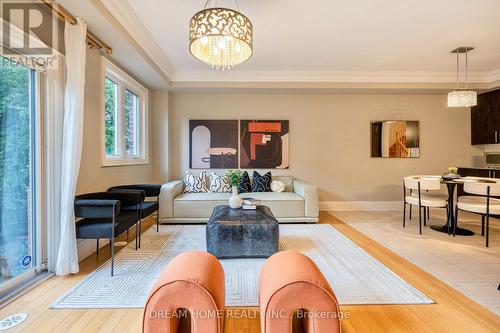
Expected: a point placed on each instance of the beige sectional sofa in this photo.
(298, 204)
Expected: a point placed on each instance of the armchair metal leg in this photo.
(127, 234)
(428, 213)
(158, 214)
(410, 211)
(136, 233)
(139, 234)
(97, 247)
(112, 242)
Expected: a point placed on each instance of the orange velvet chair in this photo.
(192, 281)
(290, 282)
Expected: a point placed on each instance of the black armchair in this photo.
(147, 207)
(103, 217)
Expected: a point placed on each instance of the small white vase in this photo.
(235, 201)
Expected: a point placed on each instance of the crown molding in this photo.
(123, 16)
(330, 76)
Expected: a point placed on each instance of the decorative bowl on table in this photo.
(450, 176)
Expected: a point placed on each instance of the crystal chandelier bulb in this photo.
(462, 98)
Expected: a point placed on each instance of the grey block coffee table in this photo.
(238, 233)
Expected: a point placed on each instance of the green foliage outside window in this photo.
(15, 155)
(110, 95)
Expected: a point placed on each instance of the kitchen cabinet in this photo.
(485, 119)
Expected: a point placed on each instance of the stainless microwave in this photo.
(492, 159)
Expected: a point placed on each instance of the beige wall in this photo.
(93, 177)
(330, 137)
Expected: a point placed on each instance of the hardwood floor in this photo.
(453, 312)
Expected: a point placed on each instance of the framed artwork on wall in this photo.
(265, 144)
(395, 139)
(213, 144)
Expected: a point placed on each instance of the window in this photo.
(20, 241)
(124, 118)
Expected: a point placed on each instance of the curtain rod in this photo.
(92, 40)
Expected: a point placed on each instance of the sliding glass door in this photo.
(19, 230)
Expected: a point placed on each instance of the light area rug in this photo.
(354, 275)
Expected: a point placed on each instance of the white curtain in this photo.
(54, 115)
(76, 47)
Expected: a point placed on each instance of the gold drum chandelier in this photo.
(220, 37)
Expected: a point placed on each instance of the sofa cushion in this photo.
(200, 205)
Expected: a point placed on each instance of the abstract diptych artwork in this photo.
(213, 144)
(264, 144)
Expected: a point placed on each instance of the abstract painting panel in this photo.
(213, 144)
(264, 144)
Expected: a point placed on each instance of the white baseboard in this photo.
(88, 246)
(360, 205)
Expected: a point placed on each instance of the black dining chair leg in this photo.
(127, 234)
(410, 211)
(428, 213)
(97, 246)
(420, 209)
(456, 221)
(425, 216)
(404, 215)
(487, 229)
(487, 215)
(420, 219)
(482, 225)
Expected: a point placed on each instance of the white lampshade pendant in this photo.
(220, 37)
(464, 97)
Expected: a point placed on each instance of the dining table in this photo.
(451, 221)
(451, 185)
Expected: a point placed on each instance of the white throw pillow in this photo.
(195, 184)
(278, 186)
(219, 184)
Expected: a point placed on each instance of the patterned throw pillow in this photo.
(278, 186)
(261, 183)
(195, 184)
(245, 186)
(219, 184)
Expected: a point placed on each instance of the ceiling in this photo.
(332, 40)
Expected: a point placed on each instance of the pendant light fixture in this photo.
(220, 37)
(462, 97)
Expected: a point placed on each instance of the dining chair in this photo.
(420, 194)
(481, 203)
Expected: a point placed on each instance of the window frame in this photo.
(124, 82)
